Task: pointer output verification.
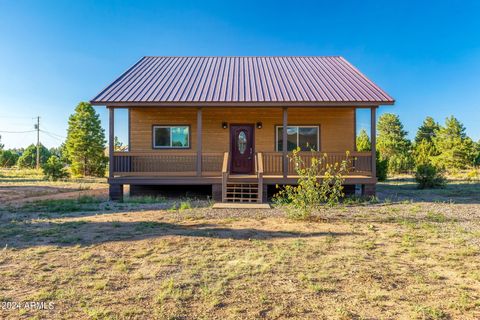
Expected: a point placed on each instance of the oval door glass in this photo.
(242, 142)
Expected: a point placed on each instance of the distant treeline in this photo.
(82, 153)
(445, 148)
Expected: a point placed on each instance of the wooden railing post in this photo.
(199, 141)
(284, 142)
(224, 175)
(260, 177)
(111, 139)
(373, 139)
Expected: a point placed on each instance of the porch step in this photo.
(242, 192)
(241, 206)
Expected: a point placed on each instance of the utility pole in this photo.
(37, 126)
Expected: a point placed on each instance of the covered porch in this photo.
(201, 165)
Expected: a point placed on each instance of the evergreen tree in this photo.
(8, 158)
(455, 149)
(427, 130)
(477, 156)
(28, 159)
(1, 145)
(424, 152)
(85, 142)
(363, 141)
(392, 143)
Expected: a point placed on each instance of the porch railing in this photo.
(360, 163)
(165, 164)
(215, 164)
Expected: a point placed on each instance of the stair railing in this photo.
(225, 171)
(259, 171)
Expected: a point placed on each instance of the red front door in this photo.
(241, 147)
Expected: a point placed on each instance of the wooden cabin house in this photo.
(229, 123)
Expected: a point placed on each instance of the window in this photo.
(171, 136)
(305, 137)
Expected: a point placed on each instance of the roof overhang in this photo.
(263, 104)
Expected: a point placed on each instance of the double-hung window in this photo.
(165, 137)
(305, 137)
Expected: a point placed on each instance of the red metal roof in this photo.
(164, 80)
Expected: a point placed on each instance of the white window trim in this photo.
(290, 126)
(170, 127)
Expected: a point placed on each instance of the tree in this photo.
(54, 169)
(427, 130)
(477, 157)
(1, 145)
(392, 143)
(455, 149)
(28, 159)
(363, 141)
(8, 158)
(85, 142)
(424, 152)
(118, 145)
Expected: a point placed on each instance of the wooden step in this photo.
(242, 189)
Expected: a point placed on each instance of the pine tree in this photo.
(392, 143)
(427, 130)
(28, 159)
(455, 149)
(85, 142)
(363, 141)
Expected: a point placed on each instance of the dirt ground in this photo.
(411, 255)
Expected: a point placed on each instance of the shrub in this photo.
(8, 158)
(28, 159)
(382, 168)
(428, 176)
(54, 169)
(310, 193)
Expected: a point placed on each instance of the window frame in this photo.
(298, 126)
(170, 126)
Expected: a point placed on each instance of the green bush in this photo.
(8, 158)
(28, 159)
(310, 193)
(428, 176)
(382, 168)
(54, 169)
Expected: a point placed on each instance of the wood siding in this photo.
(336, 126)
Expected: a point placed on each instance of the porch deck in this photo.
(182, 165)
(214, 169)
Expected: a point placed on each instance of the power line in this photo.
(53, 133)
(16, 117)
(52, 136)
(17, 131)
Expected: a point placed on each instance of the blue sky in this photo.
(53, 54)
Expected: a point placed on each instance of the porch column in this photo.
(284, 142)
(199, 141)
(111, 139)
(373, 139)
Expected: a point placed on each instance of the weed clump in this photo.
(311, 192)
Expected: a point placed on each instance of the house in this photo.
(229, 122)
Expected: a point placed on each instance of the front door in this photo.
(241, 146)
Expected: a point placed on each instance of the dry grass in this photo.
(15, 185)
(394, 259)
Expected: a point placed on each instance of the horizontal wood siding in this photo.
(336, 126)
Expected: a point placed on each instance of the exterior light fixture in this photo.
(259, 125)
(224, 125)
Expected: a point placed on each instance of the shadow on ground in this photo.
(455, 191)
(22, 235)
